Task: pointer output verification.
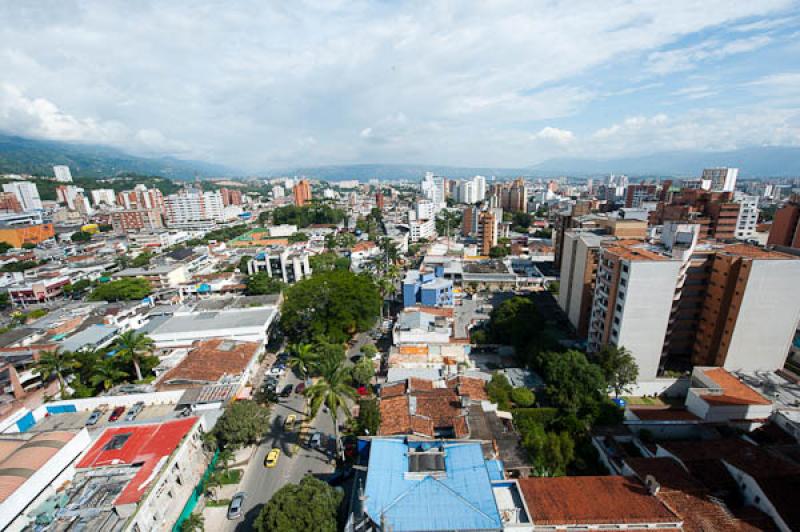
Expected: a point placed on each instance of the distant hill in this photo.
(37, 157)
(773, 161)
(364, 172)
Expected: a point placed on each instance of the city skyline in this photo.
(258, 87)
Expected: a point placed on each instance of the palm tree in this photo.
(135, 347)
(332, 390)
(194, 522)
(303, 359)
(225, 457)
(59, 363)
(106, 373)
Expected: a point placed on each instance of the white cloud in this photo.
(251, 83)
(688, 58)
(554, 134)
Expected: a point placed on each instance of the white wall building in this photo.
(722, 179)
(105, 196)
(418, 230)
(26, 193)
(62, 174)
(192, 206)
(748, 216)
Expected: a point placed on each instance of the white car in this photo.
(277, 371)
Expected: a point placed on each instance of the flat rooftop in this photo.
(215, 320)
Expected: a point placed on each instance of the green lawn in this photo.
(231, 476)
(646, 401)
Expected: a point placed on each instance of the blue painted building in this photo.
(428, 486)
(430, 289)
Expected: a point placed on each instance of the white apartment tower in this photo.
(26, 193)
(722, 179)
(62, 174)
(748, 215)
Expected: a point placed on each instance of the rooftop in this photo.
(592, 500)
(143, 445)
(734, 392)
(755, 252)
(455, 495)
(633, 251)
(22, 456)
(209, 361)
(182, 323)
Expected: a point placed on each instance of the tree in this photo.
(4, 299)
(550, 453)
(499, 391)
(81, 236)
(369, 350)
(619, 368)
(243, 262)
(56, 363)
(572, 381)
(243, 423)
(261, 283)
(225, 457)
(328, 262)
(522, 397)
(521, 220)
(302, 359)
(298, 237)
(122, 289)
(334, 305)
(498, 252)
(106, 374)
(4, 247)
(142, 260)
(310, 505)
(369, 417)
(516, 322)
(194, 523)
(363, 371)
(332, 390)
(28, 245)
(134, 347)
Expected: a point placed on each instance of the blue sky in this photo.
(258, 85)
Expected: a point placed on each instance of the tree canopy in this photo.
(619, 368)
(130, 288)
(310, 505)
(328, 262)
(243, 423)
(261, 283)
(307, 215)
(333, 304)
(81, 236)
(573, 383)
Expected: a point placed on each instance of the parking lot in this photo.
(77, 420)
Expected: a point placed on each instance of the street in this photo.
(259, 482)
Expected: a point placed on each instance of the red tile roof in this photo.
(734, 391)
(210, 360)
(472, 387)
(146, 444)
(592, 501)
(436, 409)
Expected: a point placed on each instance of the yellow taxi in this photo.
(272, 458)
(288, 425)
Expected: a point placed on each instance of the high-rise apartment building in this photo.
(74, 198)
(26, 193)
(142, 197)
(133, 220)
(748, 215)
(785, 230)
(722, 179)
(567, 219)
(379, 203)
(62, 174)
(434, 188)
(231, 196)
(716, 213)
(635, 195)
(487, 232)
(686, 303)
(277, 192)
(302, 192)
(103, 196)
(193, 207)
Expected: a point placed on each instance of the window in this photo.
(624, 268)
(117, 441)
(623, 282)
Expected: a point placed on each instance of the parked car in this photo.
(116, 413)
(287, 390)
(288, 425)
(300, 388)
(316, 441)
(237, 502)
(186, 411)
(272, 458)
(134, 411)
(94, 418)
(339, 477)
(276, 371)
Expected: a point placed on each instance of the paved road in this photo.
(295, 462)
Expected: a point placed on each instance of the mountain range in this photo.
(19, 155)
(37, 157)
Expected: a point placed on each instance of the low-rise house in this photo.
(161, 276)
(212, 362)
(717, 396)
(430, 289)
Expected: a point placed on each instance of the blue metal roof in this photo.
(495, 468)
(460, 500)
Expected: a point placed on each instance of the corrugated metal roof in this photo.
(461, 499)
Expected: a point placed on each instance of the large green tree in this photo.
(573, 383)
(550, 452)
(134, 347)
(328, 262)
(106, 373)
(122, 289)
(363, 371)
(619, 368)
(516, 322)
(261, 283)
(332, 390)
(303, 359)
(309, 505)
(243, 423)
(334, 305)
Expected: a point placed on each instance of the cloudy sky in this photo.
(259, 85)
